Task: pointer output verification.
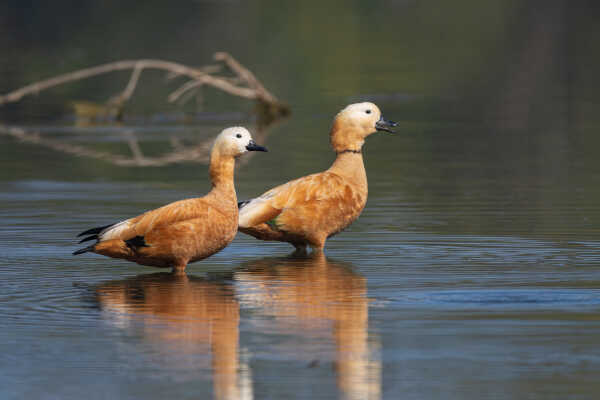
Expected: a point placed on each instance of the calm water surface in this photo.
(485, 288)
(473, 272)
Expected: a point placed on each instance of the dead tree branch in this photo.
(252, 89)
(189, 85)
(247, 76)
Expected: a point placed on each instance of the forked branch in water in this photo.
(244, 84)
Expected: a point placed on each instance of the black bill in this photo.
(252, 146)
(385, 125)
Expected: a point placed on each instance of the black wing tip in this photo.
(93, 237)
(243, 203)
(94, 231)
(84, 250)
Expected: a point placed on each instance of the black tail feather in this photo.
(93, 237)
(84, 250)
(94, 231)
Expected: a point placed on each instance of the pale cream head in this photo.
(234, 142)
(352, 125)
(362, 116)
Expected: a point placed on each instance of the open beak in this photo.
(252, 146)
(385, 125)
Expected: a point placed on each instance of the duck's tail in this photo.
(84, 250)
(243, 203)
(93, 235)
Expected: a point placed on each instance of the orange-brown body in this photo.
(178, 233)
(308, 210)
(184, 231)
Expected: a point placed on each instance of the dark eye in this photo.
(368, 111)
(239, 135)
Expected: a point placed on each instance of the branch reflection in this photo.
(314, 292)
(196, 150)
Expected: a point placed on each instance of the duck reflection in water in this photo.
(186, 317)
(310, 296)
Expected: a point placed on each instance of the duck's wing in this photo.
(142, 224)
(297, 193)
(261, 209)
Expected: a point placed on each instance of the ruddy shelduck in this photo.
(308, 210)
(187, 230)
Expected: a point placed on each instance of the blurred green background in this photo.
(453, 61)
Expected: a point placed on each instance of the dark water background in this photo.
(474, 271)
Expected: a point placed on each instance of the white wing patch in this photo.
(250, 210)
(114, 231)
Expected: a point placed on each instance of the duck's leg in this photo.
(178, 267)
(300, 249)
(318, 245)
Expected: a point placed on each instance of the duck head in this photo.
(235, 141)
(354, 123)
